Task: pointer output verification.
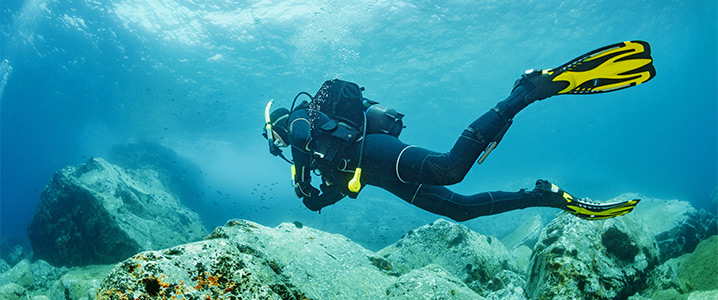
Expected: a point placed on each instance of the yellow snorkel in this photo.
(269, 132)
(268, 122)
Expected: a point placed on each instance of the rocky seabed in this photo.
(665, 249)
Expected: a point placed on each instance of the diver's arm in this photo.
(311, 197)
(299, 137)
(303, 174)
(330, 194)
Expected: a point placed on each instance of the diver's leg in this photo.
(419, 165)
(531, 87)
(386, 156)
(442, 201)
(527, 89)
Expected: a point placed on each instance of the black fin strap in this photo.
(476, 134)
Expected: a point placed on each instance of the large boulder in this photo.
(686, 277)
(677, 225)
(213, 269)
(522, 240)
(248, 261)
(581, 259)
(481, 262)
(245, 260)
(13, 291)
(527, 234)
(99, 213)
(319, 264)
(699, 270)
(182, 177)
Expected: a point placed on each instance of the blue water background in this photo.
(78, 77)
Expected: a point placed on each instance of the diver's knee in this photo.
(453, 177)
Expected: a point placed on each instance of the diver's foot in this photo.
(534, 85)
(582, 208)
(539, 84)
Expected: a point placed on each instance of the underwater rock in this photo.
(248, 260)
(12, 251)
(430, 282)
(703, 295)
(473, 258)
(13, 291)
(213, 269)
(18, 254)
(181, 176)
(526, 234)
(677, 226)
(700, 269)
(669, 294)
(522, 258)
(79, 283)
(684, 276)
(40, 280)
(581, 259)
(319, 264)
(4, 267)
(34, 278)
(20, 274)
(99, 213)
(573, 259)
(511, 287)
(663, 282)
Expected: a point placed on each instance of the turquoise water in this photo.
(79, 77)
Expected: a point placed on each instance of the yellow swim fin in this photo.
(583, 208)
(599, 211)
(606, 69)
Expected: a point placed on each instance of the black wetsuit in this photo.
(414, 174)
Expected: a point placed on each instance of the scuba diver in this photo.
(352, 142)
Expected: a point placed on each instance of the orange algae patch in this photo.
(231, 287)
(213, 280)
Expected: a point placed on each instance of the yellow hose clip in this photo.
(294, 176)
(355, 183)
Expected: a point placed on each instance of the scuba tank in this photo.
(381, 119)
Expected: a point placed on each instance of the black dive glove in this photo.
(330, 195)
(306, 190)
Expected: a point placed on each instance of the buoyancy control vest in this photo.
(340, 117)
(343, 102)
